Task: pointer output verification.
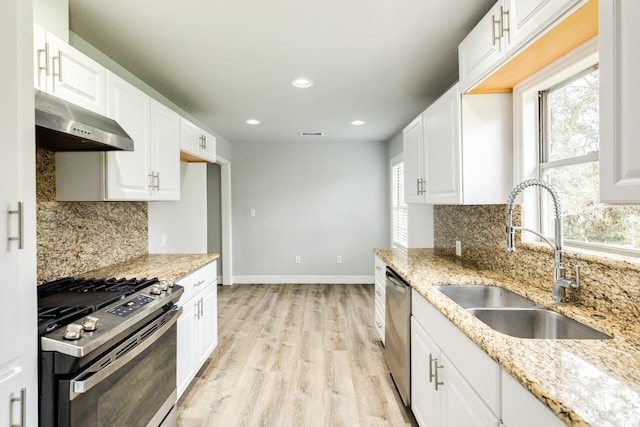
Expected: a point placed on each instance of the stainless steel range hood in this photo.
(63, 126)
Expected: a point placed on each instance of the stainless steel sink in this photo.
(535, 323)
(515, 315)
(483, 296)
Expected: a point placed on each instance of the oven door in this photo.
(134, 384)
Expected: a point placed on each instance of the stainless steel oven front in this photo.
(131, 384)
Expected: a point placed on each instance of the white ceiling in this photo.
(226, 61)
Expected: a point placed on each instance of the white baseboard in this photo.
(365, 279)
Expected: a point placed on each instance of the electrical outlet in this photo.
(252, 212)
(298, 259)
(458, 248)
(338, 259)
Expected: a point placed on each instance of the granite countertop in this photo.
(584, 382)
(162, 266)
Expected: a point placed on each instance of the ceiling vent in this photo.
(311, 133)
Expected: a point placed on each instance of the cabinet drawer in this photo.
(198, 280)
(379, 323)
(480, 371)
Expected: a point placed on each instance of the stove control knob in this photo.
(89, 323)
(155, 290)
(164, 285)
(73, 332)
(171, 282)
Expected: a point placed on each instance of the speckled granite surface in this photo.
(610, 285)
(162, 266)
(74, 237)
(584, 382)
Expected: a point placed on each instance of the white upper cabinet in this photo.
(442, 146)
(508, 27)
(150, 172)
(196, 142)
(129, 175)
(619, 101)
(413, 146)
(65, 72)
(484, 48)
(165, 152)
(529, 18)
(464, 154)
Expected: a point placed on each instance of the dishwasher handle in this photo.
(397, 282)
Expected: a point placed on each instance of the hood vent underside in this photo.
(63, 126)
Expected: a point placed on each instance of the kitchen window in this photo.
(560, 106)
(399, 234)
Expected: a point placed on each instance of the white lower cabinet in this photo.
(197, 325)
(453, 382)
(521, 409)
(380, 280)
(440, 395)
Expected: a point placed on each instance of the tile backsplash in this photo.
(609, 284)
(74, 237)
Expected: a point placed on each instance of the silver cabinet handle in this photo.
(46, 59)
(433, 371)
(504, 28)
(20, 213)
(198, 283)
(379, 293)
(378, 268)
(23, 408)
(158, 181)
(431, 375)
(59, 73)
(379, 324)
(152, 177)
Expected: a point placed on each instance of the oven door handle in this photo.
(96, 374)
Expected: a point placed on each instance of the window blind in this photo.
(398, 206)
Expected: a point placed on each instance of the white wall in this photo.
(316, 200)
(183, 223)
(214, 214)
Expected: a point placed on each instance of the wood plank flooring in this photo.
(294, 355)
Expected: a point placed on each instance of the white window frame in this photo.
(397, 244)
(525, 124)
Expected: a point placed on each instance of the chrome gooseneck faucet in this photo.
(560, 282)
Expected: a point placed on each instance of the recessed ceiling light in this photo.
(302, 83)
(358, 122)
(253, 122)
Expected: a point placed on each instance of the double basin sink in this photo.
(517, 316)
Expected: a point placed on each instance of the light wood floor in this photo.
(294, 355)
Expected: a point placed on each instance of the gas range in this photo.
(108, 350)
(76, 316)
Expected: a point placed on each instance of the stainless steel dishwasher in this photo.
(398, 333)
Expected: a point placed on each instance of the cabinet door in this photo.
(209, 147)
(129, 172)
(190, 137)
(186, 368)
(76, 77)
(483, 49)
(207, 323)
(18, 352)
(412, 141)
(442, 154)
(165, 152)
(619, 101)
(529, 18)
(424, 398)
(459, 404)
